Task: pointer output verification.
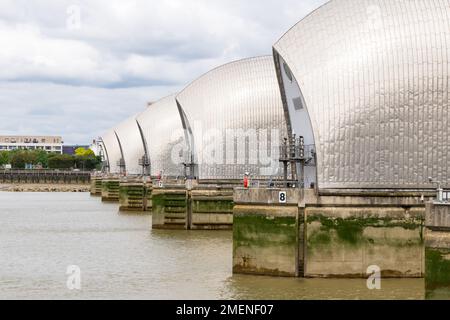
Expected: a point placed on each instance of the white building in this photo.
(47, 143)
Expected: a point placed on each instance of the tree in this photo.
(4, 158)
(61, 161)
(87, 162)
(42, 158)
(82, 152)
(86, 159)
(20, 158)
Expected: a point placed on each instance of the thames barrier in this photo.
(326, 159)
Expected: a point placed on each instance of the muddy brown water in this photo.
(120, 257)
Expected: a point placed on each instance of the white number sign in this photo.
(283, 197)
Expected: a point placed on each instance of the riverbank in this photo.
(44, 187)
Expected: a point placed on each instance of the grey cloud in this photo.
(77, 113)
(78, 83)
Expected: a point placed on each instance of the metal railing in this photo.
(295, 156)
(295, 150)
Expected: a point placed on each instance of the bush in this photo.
(4, 158)
(20, 158)
(61, 161)
(87, 162)
(42, 158)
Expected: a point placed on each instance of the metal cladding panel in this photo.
(375, 79)
(164, 135)
(236, 99)
(132, 147)
(112, 150)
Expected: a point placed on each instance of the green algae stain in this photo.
(437, 268)
(320, 238)
(213, 206)
(351, 230)
(169, 203)
(261, 231)
(348, 230)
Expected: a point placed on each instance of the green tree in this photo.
(61, 161)
(87, 162)
(20, 158)
(42, 158)
(85, 159)
(82, 152)
(4, 158)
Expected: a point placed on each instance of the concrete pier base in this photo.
(132, 195)
(211, 208)
(437, 251)
(110, 189)
(328, 236)
(202, 207)
(96, 186)
(344, 242)
(266, 233)
(169, 207)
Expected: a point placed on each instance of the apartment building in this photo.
(47, 143)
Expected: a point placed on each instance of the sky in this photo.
(78, 68)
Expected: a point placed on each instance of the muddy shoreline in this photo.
(44, 187)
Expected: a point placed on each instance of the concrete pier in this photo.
(169, 207)
(200, 207)
(437, 248)
(110, 189)
(132, 194)
(266, 233)
(96, 186)
(337, 235)
(211, 207)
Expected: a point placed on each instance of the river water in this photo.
(120, 257)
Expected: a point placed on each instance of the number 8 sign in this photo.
(283, 197)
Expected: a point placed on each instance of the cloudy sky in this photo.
(76, 68)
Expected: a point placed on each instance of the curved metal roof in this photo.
(112, 150)
(240, 99)
(164, 137)
(374, 78)
(131, 145)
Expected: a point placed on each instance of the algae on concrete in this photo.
(265, 243)
(169, 209)
(344, 242)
